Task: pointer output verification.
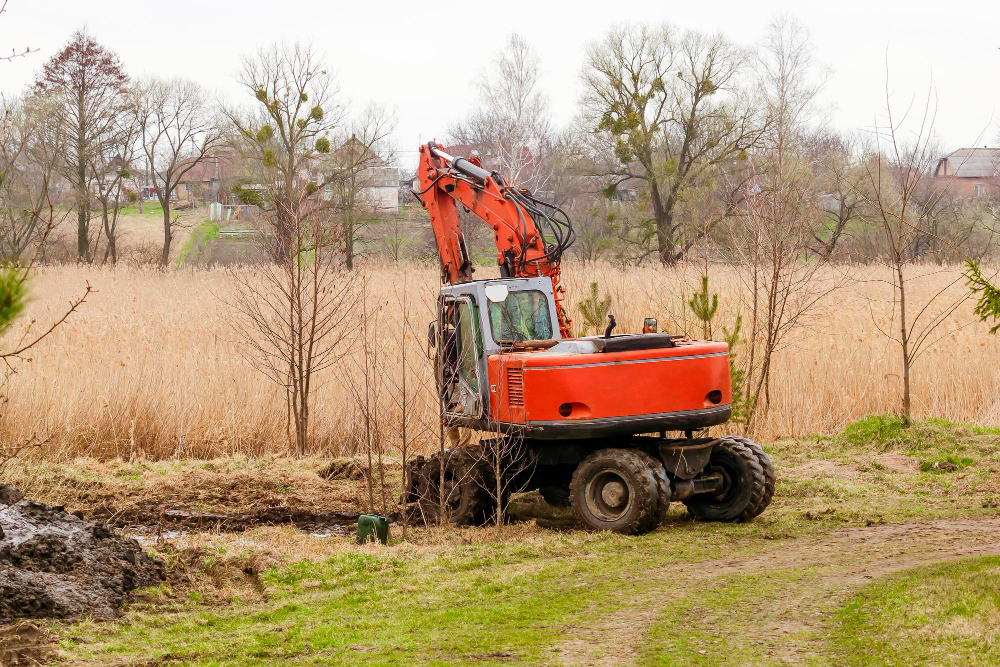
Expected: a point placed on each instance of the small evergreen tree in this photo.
(13, 295)
(740, 401)
(704, 306)
(594, 309)
(988, 306)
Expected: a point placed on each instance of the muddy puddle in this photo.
(162, 521)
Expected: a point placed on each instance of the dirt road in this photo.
(814, 576)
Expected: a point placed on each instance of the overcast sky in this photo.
(419, 58)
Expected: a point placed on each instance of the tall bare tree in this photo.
(358, 170)
(292, 309)
(180, 129)
(85, 83)
(895, 171)
(669, 107)
(776, 219)
(511, 122)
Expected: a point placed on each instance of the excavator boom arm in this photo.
(523, 251)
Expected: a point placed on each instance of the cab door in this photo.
(461, 352)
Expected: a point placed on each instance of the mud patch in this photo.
(343, 469)
(56, 565)
(156, 518)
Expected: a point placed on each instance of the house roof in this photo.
(354, 146)
(209, 168)
(970, 163)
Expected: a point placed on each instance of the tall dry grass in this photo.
(148, 368)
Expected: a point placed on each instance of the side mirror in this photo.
(649, 325)
(432, 334)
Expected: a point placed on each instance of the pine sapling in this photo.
(704, 305)
(594, 309)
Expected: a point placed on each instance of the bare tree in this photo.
(180, 130)
(775, 223)
(113, 163)
(894, 172)
(291, 314)
(836, 161)
(358, 170)
(668, 110)
(31, 145)
(85, 83)
(290, 309)
(511, 122)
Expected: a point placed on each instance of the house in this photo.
(202, 180)
(971, 172)
(379, 180)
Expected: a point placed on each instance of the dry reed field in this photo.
(149, 367)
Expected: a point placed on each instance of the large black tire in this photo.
(743, 488)
(557, 496)
(616, 490)
(465, 496)
(767, 468)
(663, 489)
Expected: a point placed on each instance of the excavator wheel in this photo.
(616, 490)
(466, 500)
(557, 496)
(768, 468)
(663, 490)
(743, 488)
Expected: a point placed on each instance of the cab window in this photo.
(522, 316)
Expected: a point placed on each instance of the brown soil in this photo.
(843, 561)
(211, 495)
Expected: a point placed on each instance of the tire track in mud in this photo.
(845, 559)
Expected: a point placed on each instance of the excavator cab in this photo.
(482, 319)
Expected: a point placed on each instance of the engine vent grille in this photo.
(515, 387)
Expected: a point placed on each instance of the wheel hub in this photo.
(613, 493)
(608, 496)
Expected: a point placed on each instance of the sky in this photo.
(420, 59)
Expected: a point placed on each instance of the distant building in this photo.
(202, 181)
(971, 172)
(379, 180)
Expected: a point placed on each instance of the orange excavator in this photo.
(585, 420)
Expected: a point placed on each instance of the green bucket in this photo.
(373, 528)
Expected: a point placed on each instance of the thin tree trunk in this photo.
(905, 343)
(165, 203)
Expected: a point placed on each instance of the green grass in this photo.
(200, 235)
(940, 615)
(887, 432)
(488, 603)
(149, 208)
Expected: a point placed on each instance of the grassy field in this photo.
(149, 367)
(873, 552)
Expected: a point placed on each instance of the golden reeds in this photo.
(149, 367)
